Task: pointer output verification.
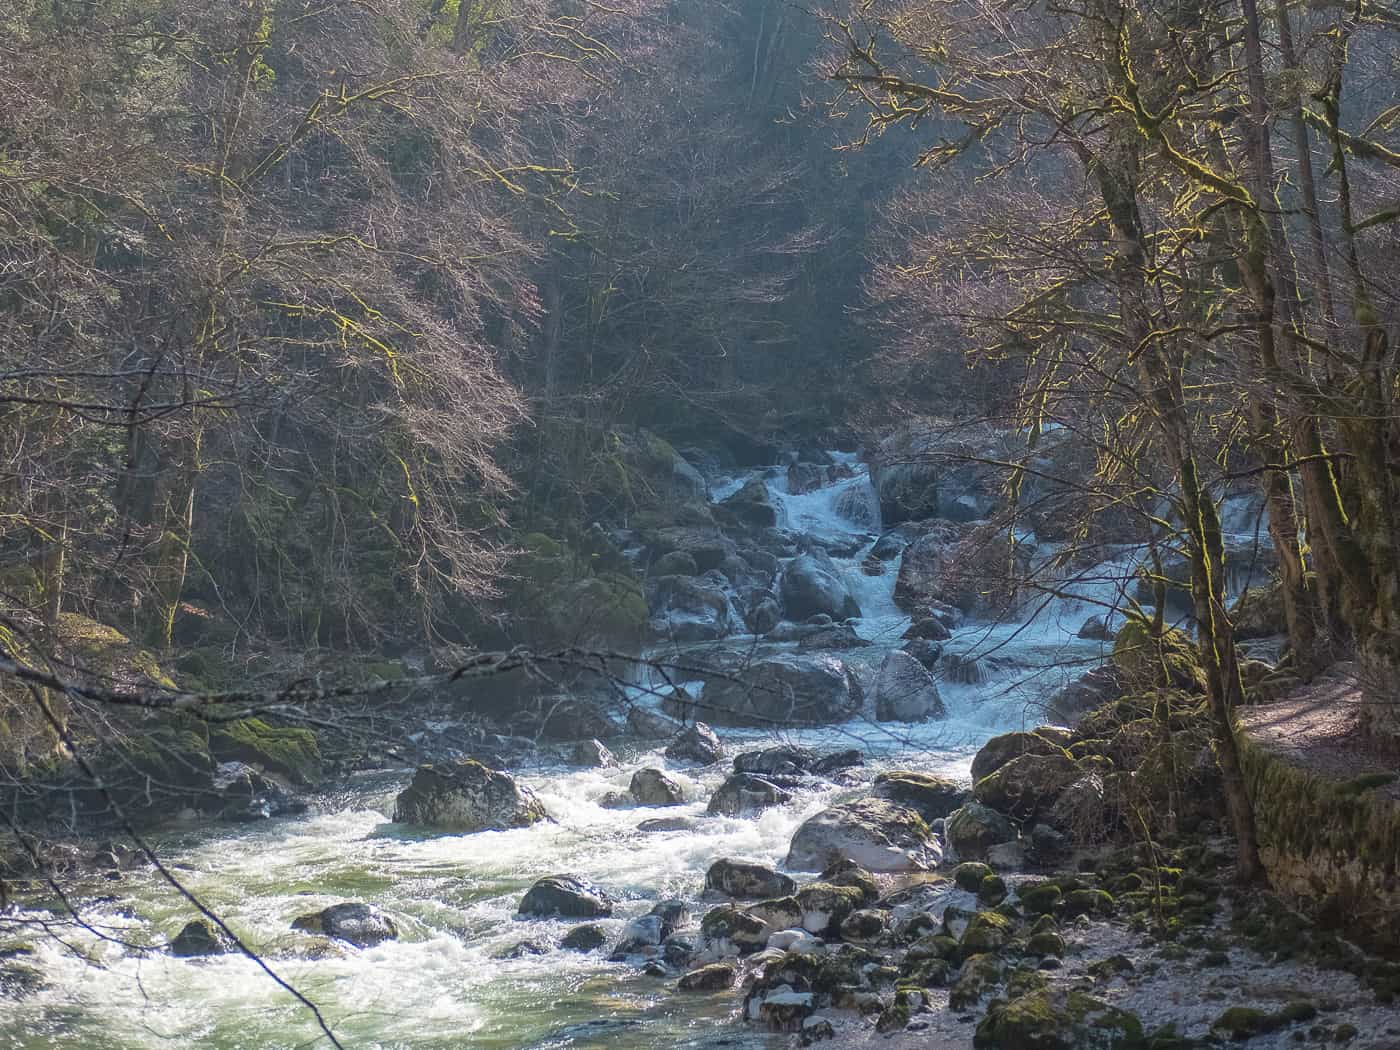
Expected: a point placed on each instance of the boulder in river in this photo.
(714, 977)
(651, 787)
(592, 754)
(929, 629)
(466, 796)
(586, 938)
(646, 724)
(812, 584)
(690, 609)
(875, 833)
(927, 653)
(745, 795)
(200, 937)
(785, 689)
(750, 507)
(566, 896)
(696, 743)
(1028, 785)
(781, 760)
(905, 691)
(362, 925)
(744, 880)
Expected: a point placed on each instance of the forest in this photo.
(689, 523)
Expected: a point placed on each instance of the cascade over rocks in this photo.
(875, 833)
(467, 797)
(362, 925)
(905, 691)
(566, 896)
(785, 689)
(811, 585)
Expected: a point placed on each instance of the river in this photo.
(445, 982)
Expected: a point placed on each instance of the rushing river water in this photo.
(445, 982)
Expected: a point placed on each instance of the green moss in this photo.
(1039, 898)
(1328, 842)
(1243, 1022)
(288, 751)
(1146, 661)
(992, 890)
(970, 874)
(986, 932)
(1046, 943)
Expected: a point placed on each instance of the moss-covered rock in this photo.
(1028, 785)
(986, 932)
(1046, 943)
(974, 829)
(286, 751)
(1039, 898)
(931, 796)
(1046, 1020)
(969, 875)
(1145, 660)
(992, 890)
(979, 975)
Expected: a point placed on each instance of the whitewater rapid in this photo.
(447, 982)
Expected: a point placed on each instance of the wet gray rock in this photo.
(927, 653)
(696, 743)
(785, 689)
(586, 938)
(973, 830)
(593, 755)
(690, 609)
(839, 636)
(714, 977)
(467, 797)
(362, 925)
(1096, 629)
(200, 937)
(566, 896)
(875, 833)
(744, 880)
(751, 506)
(676, 563)
(763, 615)
(930, 629)
(652, 787)
(639, 937)
(781, 760)
(836, 761)
(811, 584)
(646, 724)
(933, 797)
(661, 824)
(1089, 691)
(746, 795)
(905, 691)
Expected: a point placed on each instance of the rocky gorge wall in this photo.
(1332, 845)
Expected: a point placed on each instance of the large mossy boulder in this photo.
(1027, 786)
(1147, 661)
(1058, 1020)
(785, 689)
(1000, 750)
(932, 796)
(467, 797)
(875, 833)
(287, 751)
